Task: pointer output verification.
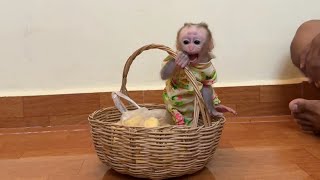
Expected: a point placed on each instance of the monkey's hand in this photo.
(182, 59)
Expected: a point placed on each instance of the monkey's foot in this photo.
(223, 109)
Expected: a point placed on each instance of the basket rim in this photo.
(91, 118)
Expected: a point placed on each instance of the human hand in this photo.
(316, 83)
(310, 60)
(182, 59)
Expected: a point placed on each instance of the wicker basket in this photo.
(155, 153)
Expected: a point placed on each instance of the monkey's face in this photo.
(192, 41)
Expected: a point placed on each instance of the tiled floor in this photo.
(251, 148)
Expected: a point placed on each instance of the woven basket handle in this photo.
(199, 102)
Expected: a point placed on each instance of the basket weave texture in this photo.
(155, 153)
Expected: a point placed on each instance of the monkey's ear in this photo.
(187, 24)
(210, 45)
(178, 45)
(211, 55)
(203, 24)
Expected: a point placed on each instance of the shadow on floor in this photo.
(204, 174)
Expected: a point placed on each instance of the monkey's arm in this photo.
(207, 93)
(181, 62)
(168, 69)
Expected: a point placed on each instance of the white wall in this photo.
(72, 46)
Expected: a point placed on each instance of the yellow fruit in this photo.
(151, 122)
(134, 121)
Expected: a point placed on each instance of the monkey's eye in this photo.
(186, 41)
(197, 42)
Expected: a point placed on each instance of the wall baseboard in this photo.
(73, 109)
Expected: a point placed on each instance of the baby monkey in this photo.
(194, 44)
